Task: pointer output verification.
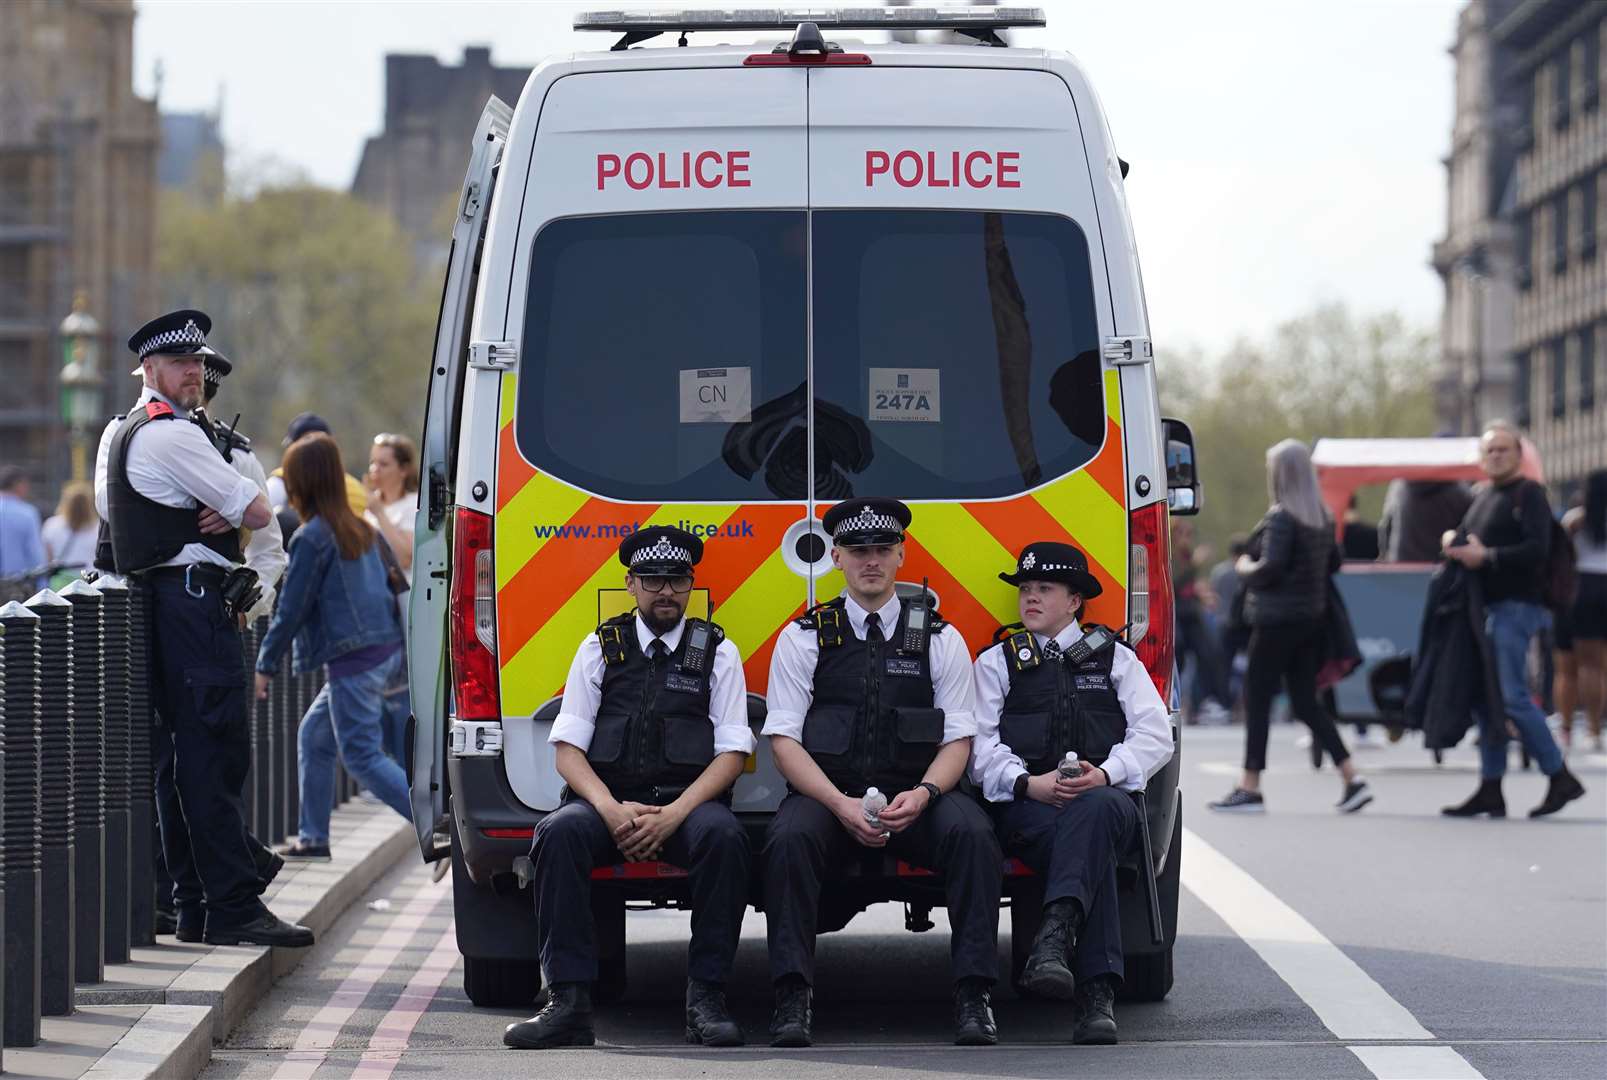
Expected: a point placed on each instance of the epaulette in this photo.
(158, 410)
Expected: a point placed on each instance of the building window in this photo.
(1559, 378)
(1560, 87)
(1587, 369)
(1587, 218)
(1559, 233)
(1590, 92)
(1524, 242)
(1520, 389)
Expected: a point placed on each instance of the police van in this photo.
(724, 287)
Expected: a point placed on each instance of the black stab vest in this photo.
(654, 736)
(1055, 706)
(139, 532)
(871, 722)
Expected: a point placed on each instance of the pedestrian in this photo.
(1358, 539)
(69, 534)
(1285, 576)
(1232, 634)
(1195, 637)
(672, 801)
(1505, 538)
(1416, 513)
(392, 502)
(338, 607)
(309, 424)
(1588, 526)
(832, 744)
(173, 509)
(22, 548)
(1055, 685)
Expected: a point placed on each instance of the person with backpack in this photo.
(1506, 538)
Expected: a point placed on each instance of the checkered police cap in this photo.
(868, 520)
(663, 550)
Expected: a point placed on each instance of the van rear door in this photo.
(427, 611)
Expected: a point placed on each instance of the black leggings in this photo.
(1287, 652)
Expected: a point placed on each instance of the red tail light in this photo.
(781, 59)
(473, 618)
(1149, 593)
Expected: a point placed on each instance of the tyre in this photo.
(501, 984)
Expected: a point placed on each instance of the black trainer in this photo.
(564, 1021)
(973, 1014)
(708, 1020)
(1096, 1012)
(1047, 972)
(793, 1022)
(1563, 789)
(1486, 800)
(266, 929)
(304, 852)
(1357, 795)
(1239, 801)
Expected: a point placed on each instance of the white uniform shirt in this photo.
(1146, 747)
(265, 551)
(583, 692)
(792, 674)
(172, 462)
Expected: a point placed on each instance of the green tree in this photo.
(315, 297)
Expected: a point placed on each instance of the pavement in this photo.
(159, 1015)
(1393, 943)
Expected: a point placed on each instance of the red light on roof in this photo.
(807, 60)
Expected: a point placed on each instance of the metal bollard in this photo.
(19, 833)
(248, 794)
(141, 782)
(266, 752)
(289, 724)
(115, 626)
(89, 781)
(57, 942)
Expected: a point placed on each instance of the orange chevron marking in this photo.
(1107, 467)
(756, 666)
(1021, 522)
(738, 559)
(513, 471)
(975, 622)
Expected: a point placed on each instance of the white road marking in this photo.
(389, 1041)
(1345, 998)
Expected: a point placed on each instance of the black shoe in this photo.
(1563, 789)
(266, 929)
(793, 1022)
(1356, 795)
(973, 1016)
(564, 1021)
(708, 1021)
(167, 921)
(1047, 973)
(1096, 1012)
(1486, 800)
(189, 928)
(296, 849)
(269, 863)
(1239, 801)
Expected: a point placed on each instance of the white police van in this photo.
(724, 287)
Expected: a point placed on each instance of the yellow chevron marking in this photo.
(752, 612)
(1113, 396)
(505, 406)
(1097, 521)
(965, 549)
(543, 499)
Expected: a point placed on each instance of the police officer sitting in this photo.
(867, 691)
(652, 734)
(174, 508)
(1040, 693)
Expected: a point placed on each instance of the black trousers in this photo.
(1074, 848)
(953, 837)
(1286, 654)
(572, 840)
(203, 751)
(182, 894)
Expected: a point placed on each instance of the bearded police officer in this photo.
(652, 734)
(174, 508)
(869, 690)
(1054, 686)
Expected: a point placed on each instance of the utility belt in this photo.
(236, 586)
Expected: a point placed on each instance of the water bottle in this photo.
(874, 803)
(1070, 767)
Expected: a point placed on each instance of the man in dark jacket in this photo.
(1505, 537)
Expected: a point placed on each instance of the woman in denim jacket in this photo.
(336, 602)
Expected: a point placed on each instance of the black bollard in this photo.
(19, 833)
(57, 942)
(248, 794)
(261, 756)
(141, 783)
(266, 752)
(89, 782)
(289, 723)
(119, 836)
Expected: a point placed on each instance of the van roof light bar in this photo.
(639, 26)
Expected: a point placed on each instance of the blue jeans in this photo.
(346, 717)
(1511, 625)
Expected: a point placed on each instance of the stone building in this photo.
(414, 168)
(77, 209)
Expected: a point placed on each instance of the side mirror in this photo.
(1183, 493)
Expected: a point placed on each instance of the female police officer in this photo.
(1040, 693)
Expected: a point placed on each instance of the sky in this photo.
(1284, 153)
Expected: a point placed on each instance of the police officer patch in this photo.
(904, 667)
(682, 683)
(1093, 682)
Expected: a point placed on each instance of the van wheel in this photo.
(501, 984)
(1148, 977)
(608, 915)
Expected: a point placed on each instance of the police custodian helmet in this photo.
(661, 549)
(867, 522)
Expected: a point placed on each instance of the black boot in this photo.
(265, 929)
(189, 924)
(1486, 800)
(1047, 972)
(1096, 1012)
(708, 1021)
(973, 1015)
(564, 1021)
(794, 1019)
(1564, 789)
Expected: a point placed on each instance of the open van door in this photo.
(427, 611)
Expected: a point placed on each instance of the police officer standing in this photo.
(651, 737)
(866, 691)
(1047, 689)
(174, 508)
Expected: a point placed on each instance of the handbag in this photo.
(395, 576)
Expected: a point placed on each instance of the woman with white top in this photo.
(69, 535)
(1588, 526)
(392, 484)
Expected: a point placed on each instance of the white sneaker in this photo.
(1212, 713)
(1303, 741)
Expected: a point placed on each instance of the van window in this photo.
(663, 355)
(963, 345)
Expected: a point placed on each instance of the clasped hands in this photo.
(897, 816)
(640, 830)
